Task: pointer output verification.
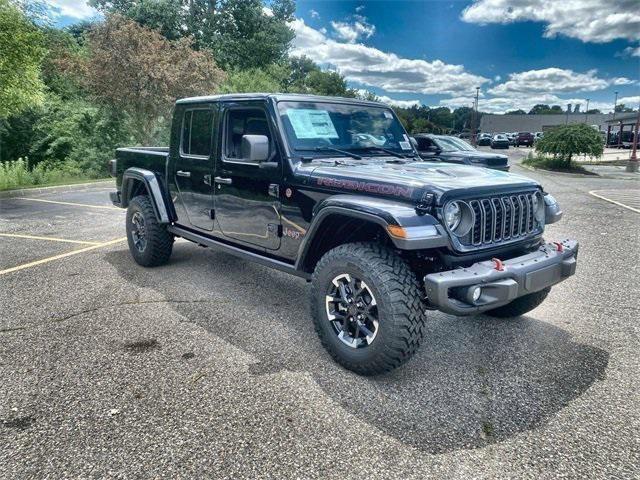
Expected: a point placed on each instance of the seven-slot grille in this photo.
(503, 218)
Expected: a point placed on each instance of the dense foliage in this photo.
(566, 141)
(21, 52)
(71, 96)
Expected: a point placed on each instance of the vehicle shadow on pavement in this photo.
(475, 381)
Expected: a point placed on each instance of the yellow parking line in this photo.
(63, 255)
(105, 207)
(51, 239)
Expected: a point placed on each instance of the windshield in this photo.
(350, 127)
(452, 144)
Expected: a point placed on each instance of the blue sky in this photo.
(520, 52)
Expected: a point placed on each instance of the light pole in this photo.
(615, 105)
(586, 113)
(476, 123)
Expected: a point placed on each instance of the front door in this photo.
(246, 193)
(193, 171)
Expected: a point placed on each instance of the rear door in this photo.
(193, 169)
(246, 193)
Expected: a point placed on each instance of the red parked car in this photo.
(524, 138)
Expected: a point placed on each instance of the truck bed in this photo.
(149, 158)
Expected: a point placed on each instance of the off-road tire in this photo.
(520, 306)
(401, 311)
(159, 242)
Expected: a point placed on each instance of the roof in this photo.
(278, 97)
(539, 122)
(624, 117)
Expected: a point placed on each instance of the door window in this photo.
(244, 122)
(197, 128)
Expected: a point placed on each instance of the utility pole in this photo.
(474, 131)
(615, 104)
(586, 112)
(632, 164)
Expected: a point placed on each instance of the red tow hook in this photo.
(559, 247)
(499, 266)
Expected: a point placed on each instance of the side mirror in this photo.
(255, 148)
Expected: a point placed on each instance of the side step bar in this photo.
(238, 252)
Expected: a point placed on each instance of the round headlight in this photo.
(538, 207)
(452, 215)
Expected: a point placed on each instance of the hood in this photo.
(410, 180)
(491, 158)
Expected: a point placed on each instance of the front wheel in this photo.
(367, 307)
(149, 241)
(521, 305)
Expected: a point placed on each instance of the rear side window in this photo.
(197, 129)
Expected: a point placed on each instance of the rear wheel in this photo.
(150, 243)
(367, 308)
(521, 305)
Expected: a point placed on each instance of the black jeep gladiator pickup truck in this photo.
(332, 190)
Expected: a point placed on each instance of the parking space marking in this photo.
(630, 196)
(50, 239)
(104, 207)
(61, 256)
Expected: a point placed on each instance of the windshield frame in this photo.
(301, 153)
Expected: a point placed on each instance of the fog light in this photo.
(475, 294)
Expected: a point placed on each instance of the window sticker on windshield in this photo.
(388, 114)
(309, 123)
(405, 145)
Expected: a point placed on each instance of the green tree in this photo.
(622, 108)
(136, 71)
(542, 109)
(565, 141)
(21, 51)
(516, 112)
(242, 34)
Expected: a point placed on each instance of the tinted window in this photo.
(196, 132)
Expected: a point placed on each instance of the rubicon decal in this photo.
(366, 187)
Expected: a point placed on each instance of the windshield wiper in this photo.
(337, 150)
(381, 149)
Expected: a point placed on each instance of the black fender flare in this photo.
(161, 204)
(421, 231)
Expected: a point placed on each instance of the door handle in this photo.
(226, 181)
(182, 173)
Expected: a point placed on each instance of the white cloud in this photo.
(373, 67)
(359, 8)
(399, 103)
(314, 13)
(631, 102)
(352, 32)
(554, 80)
(588, 20)
(79, 9)
(631, 52)
(497, 78)
(504, 104)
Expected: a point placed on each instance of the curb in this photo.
(566, 174)
(53, 189)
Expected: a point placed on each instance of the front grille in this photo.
(501, 219)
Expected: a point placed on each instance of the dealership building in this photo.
(491, 123)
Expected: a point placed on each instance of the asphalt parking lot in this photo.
(209, 366)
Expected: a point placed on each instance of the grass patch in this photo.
(555, 165)
(17, 174)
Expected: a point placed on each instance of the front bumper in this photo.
(451, 292)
